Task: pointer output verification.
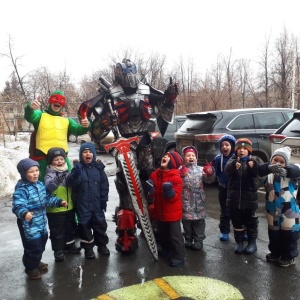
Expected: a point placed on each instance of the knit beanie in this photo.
(243, 142)
(285, 152)
(88, 146)
(175, 160)
(24, 165)
(189, 149)
(57, 97)
(53, 152)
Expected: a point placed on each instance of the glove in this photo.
(274, 168)
(168, 191)
(171, 93)
(149, 187)
(59, 179)
(76, 172)
(208, 169)
(183, 171)
(282, 172)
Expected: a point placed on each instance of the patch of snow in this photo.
(12, 150)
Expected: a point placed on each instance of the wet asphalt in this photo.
(79, 278)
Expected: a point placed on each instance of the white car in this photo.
(288, 135)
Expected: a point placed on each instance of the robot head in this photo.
(126, 74)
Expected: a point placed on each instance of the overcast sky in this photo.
(79, 34)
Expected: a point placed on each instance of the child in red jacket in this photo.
(167, 188)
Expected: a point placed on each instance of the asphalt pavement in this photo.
(78, 278)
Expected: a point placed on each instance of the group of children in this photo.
(179, 200)
(35, 202)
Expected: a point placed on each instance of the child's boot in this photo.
(251, 247)
(239, 239)
(252, 236)
(72, 248)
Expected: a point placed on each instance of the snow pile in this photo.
(12, 150)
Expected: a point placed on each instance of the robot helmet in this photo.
(126, 74)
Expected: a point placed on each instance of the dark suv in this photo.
(162, 144)
(204, 129)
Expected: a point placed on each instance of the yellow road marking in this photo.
(166, 288)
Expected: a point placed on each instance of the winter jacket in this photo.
(242, 184)
(60, 190)
(90, 186)
(167, 210)
(221, 160)
(193, 197)
(281, 198)
(33, 197)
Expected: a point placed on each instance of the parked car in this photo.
(288, 135)
(204, 129)
(163, 144)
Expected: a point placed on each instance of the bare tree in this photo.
(283, 68)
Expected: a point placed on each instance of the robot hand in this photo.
(171, 93)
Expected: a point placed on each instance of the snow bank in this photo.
(12, 150)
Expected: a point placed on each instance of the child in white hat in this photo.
(282, 208)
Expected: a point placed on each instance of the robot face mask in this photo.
(126, 74)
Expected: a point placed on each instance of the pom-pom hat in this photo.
(175, 160)
(285, 152)
(245, 143)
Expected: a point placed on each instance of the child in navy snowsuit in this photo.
(89, 183)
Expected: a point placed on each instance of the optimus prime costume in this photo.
(125, 107)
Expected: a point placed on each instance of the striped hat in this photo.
(245, 143)
(175, 160)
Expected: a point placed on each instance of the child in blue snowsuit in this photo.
(29, 205)
(226, 145)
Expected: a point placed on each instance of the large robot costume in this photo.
(125, 107)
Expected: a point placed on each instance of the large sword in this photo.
(125, 156)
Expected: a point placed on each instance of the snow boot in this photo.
(238, 236)
(251, 246)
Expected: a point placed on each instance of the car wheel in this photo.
(72, 138)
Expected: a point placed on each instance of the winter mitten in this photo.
(76, 172)
(274, 168)
(282, 172)
(208, 169)
(183, 171)
(168, 190)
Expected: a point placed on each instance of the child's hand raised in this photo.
(238, 164)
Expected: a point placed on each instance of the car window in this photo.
(200, 124)
(271, 120)
(292, 129)
(242, 122)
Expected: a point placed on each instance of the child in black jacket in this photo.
(242, 197)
